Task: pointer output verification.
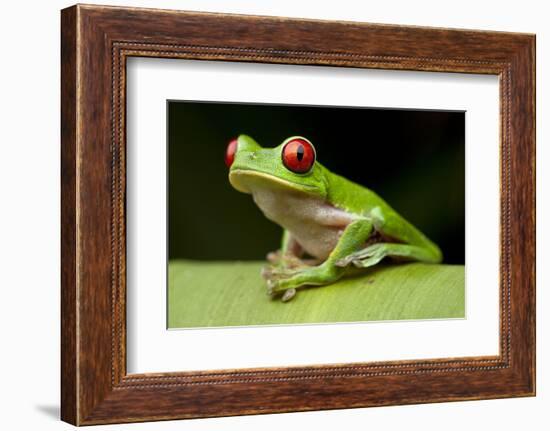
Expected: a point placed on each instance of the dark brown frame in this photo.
(95, 43)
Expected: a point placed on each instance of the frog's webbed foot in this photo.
(278, 259)
(288, 260)
(364, 258)
(285, 281)
(275, 277)
(282, 266)
(272, 272)
(373, 254)
(274, 257)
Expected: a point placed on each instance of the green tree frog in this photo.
(340, 225)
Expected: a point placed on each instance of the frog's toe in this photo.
(352, 259)
(277, 273)
(265, 272)
(361, 258)
(276, 287)
(274, 290)
(345, 261)
(292, 262)
(366, 262)
(281, 285)
(274, 257)
(269, 272)
(271, 284)
(288, 295)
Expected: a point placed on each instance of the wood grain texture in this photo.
(96, 41)
(69, 397)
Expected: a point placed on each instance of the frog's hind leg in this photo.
(373, 254)
(409, 243)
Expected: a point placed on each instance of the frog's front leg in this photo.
(287, 281)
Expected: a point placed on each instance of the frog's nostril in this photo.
(252, 155)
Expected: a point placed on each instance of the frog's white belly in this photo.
(313, 223)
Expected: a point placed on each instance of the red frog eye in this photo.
(298, 155)
(230, 152)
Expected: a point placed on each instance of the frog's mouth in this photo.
(247, 180)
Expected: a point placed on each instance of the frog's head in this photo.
(289, 166)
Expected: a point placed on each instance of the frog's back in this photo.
(351, 196)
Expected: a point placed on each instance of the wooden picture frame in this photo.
(95, 43)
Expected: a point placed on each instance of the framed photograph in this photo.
(317, 215)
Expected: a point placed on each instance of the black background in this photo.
(413, 159)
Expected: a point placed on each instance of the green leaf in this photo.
(213, 294)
